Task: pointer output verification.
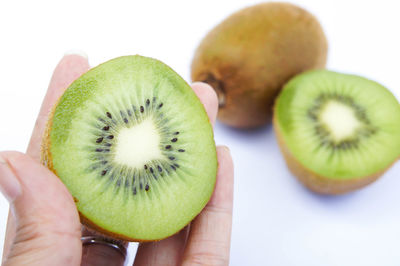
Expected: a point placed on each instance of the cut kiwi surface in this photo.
(135, 148)
(338, 132)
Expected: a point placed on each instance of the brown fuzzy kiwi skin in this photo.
(316, 182)
(250, 55)
(46, 159)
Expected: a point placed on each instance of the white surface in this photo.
(276, 221)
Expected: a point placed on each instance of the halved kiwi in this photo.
(337, 132)
(135, 148)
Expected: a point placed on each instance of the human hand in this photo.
(44, 228)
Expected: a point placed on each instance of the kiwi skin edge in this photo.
(46, 159)
(316, 182)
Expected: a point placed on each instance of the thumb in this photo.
(47, 223)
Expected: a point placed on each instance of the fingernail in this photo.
(226, 148)
(9, 184)
(76, 52)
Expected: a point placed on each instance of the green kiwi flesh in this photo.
(337, 128)
(134, 146)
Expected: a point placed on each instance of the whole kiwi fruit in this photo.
(338, 132)
(134, 146)
(250, 55)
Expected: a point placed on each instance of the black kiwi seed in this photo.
(108, 144)
(312, 115)
(174, 140)
(141, 109)
(109, 115)
(126, 120)
(168, 147)
(176, 133)
(181, 150)
(147, 102)
(160, 105)
(173, 167)
(104, 172)
(145, 167)
(110, 137)
(159, 168)
(147, 187)
(99, 140)
(172, 158)
(151, 170)
(134, 190)
(99, 150)
(129, 112)
(106, 128)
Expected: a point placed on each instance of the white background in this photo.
(276, 221)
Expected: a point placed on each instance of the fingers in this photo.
(209, 237)
(167, 252)
(209, 99)
(210, 233)
(68, 69)
(47, 223)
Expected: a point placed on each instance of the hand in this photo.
(43, 225)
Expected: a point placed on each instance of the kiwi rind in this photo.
(250, 55)
(328, 183)
(47, 159)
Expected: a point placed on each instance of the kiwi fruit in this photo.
(250, 55)
(337, 132)
(134, 146)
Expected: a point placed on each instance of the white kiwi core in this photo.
(340, 119)
(138, 145)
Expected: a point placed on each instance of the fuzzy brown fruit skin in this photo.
(316, 182)
(252, 54)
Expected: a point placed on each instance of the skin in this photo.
(44, 227)
(250, 55)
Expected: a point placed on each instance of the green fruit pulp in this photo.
(155, 197)
(339, 126)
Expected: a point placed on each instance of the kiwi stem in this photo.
(218, 87)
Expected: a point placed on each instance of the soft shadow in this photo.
(332, 200)
(244, 133)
